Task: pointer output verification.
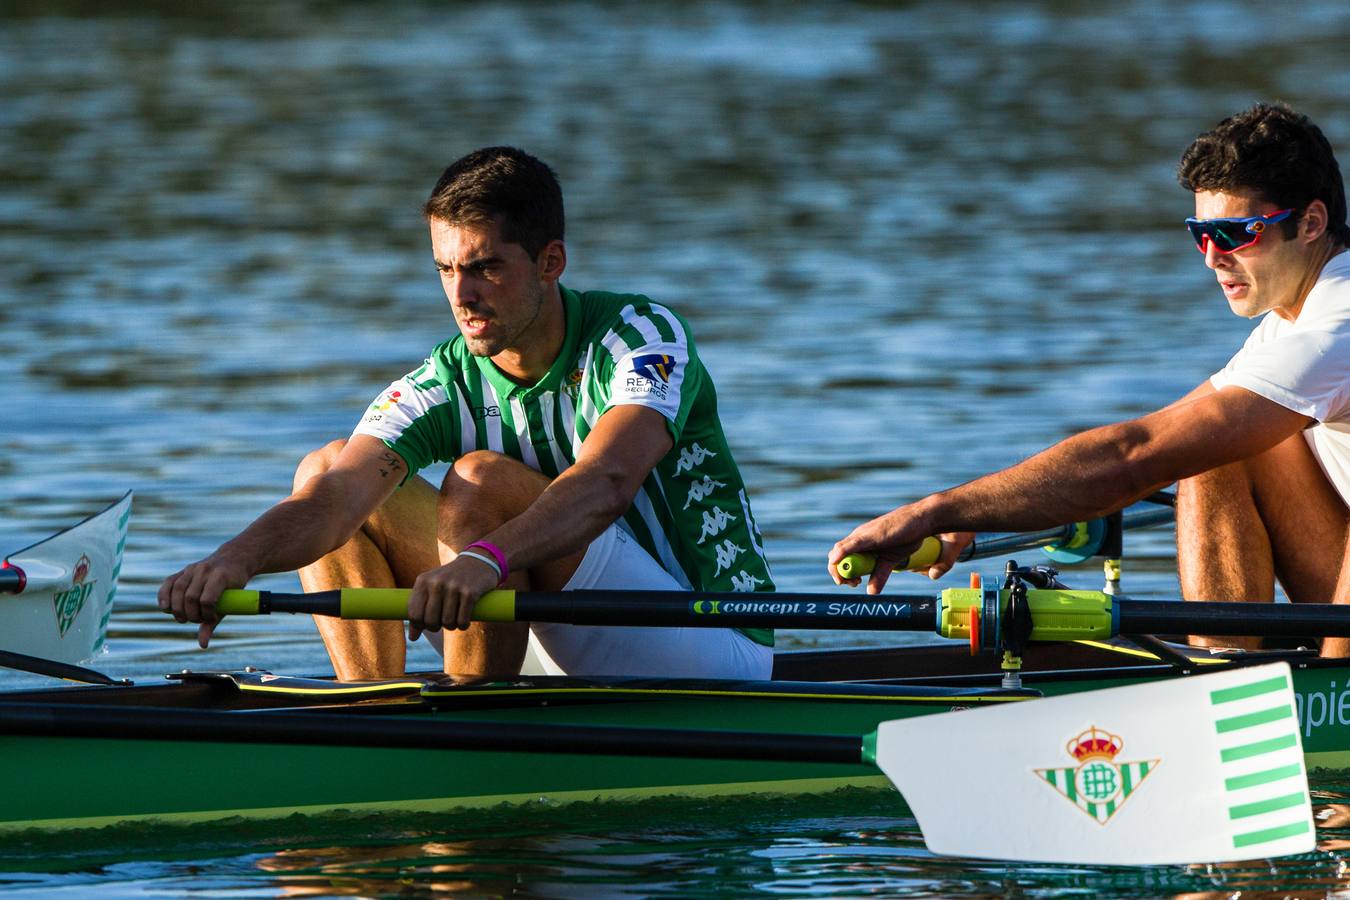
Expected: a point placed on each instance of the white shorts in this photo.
(614, 561)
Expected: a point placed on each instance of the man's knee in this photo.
(487, 483)
(1223, 484)
(473, 472)
(316, 462)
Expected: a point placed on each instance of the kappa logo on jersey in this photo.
(745, 582)
(715, 521)
(700, 489)
(693, 455)
(727, 553)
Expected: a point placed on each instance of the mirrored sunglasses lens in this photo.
(1227, 236)
(1230, 235)
(1198, 231)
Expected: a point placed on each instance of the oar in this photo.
(1201, 769)
(1074, 542)
(63, 588)
(1057, 615)
(21, 662)
(1184, 769)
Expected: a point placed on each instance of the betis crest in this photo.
(573, 386)
(1098, 785)
(68, 604)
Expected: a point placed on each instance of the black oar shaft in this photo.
(22, 662)
(426, 732)
(12, 579)
(684, 609)
(730, 610)
(317, 603)
(1242, 619)
(1096, 612)
(986, 545)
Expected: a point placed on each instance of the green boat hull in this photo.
(58, 780)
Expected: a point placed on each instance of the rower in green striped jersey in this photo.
(585, 449)
(692, 513)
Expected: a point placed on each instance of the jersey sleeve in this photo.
(417, 418)
(1307, 371)
(655, 364)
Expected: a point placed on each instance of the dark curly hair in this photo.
(1275, 152)
(504, 185)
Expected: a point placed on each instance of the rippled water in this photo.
(849, 844)
(917, 241)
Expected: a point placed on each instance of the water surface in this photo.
(917, 241)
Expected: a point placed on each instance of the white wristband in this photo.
(485, 560)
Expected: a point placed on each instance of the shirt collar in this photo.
(505, 387)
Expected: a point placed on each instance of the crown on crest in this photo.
(81, 570)
(1095, 744)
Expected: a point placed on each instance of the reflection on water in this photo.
(917, 241)
(850, 844)
(937, 235)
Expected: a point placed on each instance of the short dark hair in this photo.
(504, 185)
(1275, 152)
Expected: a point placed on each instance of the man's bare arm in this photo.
(318, 517)
(577, 506)
(617, 456)
(1102, 470)
(1087, 475)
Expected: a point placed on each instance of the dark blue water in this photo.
(917, 241)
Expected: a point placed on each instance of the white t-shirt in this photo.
(1304, 365)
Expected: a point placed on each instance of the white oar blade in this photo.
(1184, 770)
(62, 613)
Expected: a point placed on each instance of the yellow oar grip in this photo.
(238, 603)
(856, 565)
(375, 603)
(495, 606)
(389, 604)
(392, 603)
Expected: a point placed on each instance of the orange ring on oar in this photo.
(976, 583)
(975, 613)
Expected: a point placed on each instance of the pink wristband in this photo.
(496, 554)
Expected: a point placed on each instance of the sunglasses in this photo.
(1229, 235)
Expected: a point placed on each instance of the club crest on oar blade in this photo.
(1098, 785)
(68, 603)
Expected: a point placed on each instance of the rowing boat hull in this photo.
(274, 781)
(77, 781)
(66, 778)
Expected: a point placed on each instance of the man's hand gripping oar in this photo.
(900, 539)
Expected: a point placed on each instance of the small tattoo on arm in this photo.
(389, 462)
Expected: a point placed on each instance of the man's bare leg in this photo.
(481, 492)
(1242, 526)
(395, 545)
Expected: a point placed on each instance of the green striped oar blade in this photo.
(1187, 770)
(70, 581)
(1261, 761)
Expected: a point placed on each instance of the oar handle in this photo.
(1057, 614)
(857, 565)
(1078, 540)
(685, 609)
(388, 604)
(12, 579)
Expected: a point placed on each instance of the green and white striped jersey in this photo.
(692, 513)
